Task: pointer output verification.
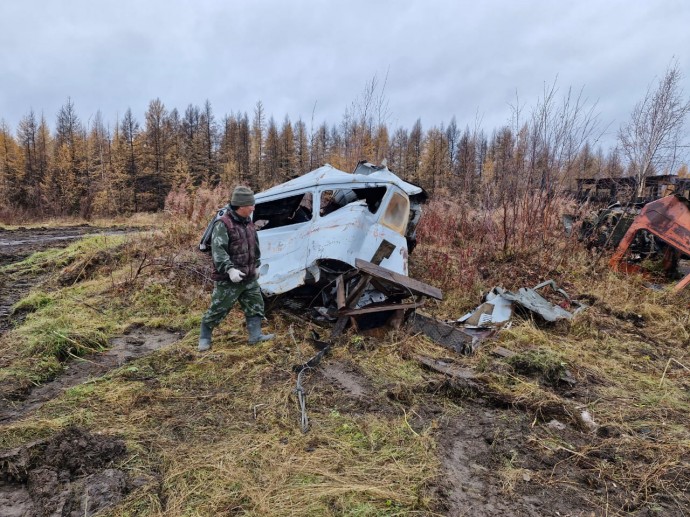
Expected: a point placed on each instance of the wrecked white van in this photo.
(317, 225)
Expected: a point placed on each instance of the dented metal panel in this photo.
(329, 214)
(499, 305)
(667, 218)
(329, 175)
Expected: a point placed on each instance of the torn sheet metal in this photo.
(495, 310)
(500, 305)
(668, 219)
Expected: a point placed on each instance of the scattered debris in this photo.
(461, 340)
(611, 189)
(500, 304)
(315, 227)
(556, 425)
(586, 420)
(396, 288)
(466, 382)
(324, 348)
(604, 228)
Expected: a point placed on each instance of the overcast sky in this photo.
(443, 58)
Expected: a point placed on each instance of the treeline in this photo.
(96, 168)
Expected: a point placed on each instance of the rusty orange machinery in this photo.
(668, 219)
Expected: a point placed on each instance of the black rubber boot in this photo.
(254, 330)
(204, 338)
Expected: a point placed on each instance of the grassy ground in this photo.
(218, 433)
(141, 219)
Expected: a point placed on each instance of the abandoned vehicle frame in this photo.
(325, 220)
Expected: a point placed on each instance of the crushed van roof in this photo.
(329, 175)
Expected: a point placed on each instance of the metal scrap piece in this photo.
(500, 304)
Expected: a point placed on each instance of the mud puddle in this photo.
(137, 342)
(73, 473)
(11, 294)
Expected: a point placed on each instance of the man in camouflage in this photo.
(236, 260)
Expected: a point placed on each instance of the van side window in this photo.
(332, 200)
(283, 212)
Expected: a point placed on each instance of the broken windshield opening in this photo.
(332, 200)
(283, 212)
(397, 213)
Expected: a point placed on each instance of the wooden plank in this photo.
(415, 286)
(340, 326)
(503, 352)
(357, 291)
(452, 370)
(375, 307)
(468, 382)
(340, 291)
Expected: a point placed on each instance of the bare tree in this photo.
(650, 140)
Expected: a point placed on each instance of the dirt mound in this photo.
(68, 474)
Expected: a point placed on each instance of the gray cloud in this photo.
(443, 58)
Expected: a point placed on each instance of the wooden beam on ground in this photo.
(503, 352)
(460, 378)
(466, 382)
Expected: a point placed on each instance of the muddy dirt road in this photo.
(16, 245)
(70, 474)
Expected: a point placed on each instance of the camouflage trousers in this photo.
(224, 296)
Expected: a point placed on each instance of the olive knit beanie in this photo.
(242, 196)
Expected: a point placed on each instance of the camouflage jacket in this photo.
(234, 244)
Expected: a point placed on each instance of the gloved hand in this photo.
(235, 275)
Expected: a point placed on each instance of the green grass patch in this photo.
(540, 362)
(33, 302)
(56, 258)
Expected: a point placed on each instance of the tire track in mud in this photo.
(15, 245)
(136, 343)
